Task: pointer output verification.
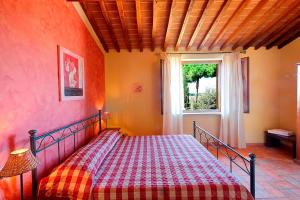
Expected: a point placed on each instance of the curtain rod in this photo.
(243, 52)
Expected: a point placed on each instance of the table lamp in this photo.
(106, 116)
(19, 162)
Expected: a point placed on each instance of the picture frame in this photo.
(245, 79)
(71, 75)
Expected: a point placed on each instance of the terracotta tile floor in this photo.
(277, 176)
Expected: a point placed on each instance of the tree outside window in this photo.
(200, 86)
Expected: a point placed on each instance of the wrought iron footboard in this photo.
(39, 143)
(246, 164)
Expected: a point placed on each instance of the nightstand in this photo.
(274, 140)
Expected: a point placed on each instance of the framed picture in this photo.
(245, 77)
(71, 75)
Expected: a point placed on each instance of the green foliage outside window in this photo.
(193, 73)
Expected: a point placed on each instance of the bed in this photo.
(113, 166)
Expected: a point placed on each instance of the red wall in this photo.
(30, 31)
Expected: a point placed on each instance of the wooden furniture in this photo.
(274, 140)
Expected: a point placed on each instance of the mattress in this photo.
(164, 167)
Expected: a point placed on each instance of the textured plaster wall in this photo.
(139, 113)
(288, 85)
(136, 112)
(264, 72)
(30, 31)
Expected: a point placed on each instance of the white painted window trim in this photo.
(204, 112)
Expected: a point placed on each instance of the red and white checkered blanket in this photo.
(74, 178)
(142, 167)
(164, 167)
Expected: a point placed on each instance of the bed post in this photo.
(100, 125)
(194, 129)
(32, 134)
(252, 173)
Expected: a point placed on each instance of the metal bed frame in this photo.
(246, 164)
(41, 142)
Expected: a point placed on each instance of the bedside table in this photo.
(274, 140)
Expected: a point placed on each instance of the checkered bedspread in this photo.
(164, 167)
(74, 178)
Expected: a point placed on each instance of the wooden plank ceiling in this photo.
(193, 24)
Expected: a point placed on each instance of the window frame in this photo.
(218, 62)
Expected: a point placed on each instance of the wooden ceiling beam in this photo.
(170, 19)
(258, 36)
(95, 27)
(258, 24)
(108, 23)
(154, 23)
(184, 23)
(233, 17)
(239, 28)
(207, 4)
(214, 23)
(120, 8)
(268, 23)
(282, 37)
(289, 40)
(139, 23)
(269, 38)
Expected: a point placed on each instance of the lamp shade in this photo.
(106, 115)
(19, 162)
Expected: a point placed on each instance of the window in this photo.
(200, 82)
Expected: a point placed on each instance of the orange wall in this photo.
(273, 87)
(135, 113)
(290, 55)
(140, 113)
(264, 93)
(29, 98)
(210, 122)
(264, 98)
(288, 89)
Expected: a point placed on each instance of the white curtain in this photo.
(232, 127)
(172, 95)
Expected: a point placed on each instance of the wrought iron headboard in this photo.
(39, 143)
(247, 164)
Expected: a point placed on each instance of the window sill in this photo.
(201, 113)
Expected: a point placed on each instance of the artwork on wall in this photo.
(245, 77)
(71, 75)
(137, 88)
